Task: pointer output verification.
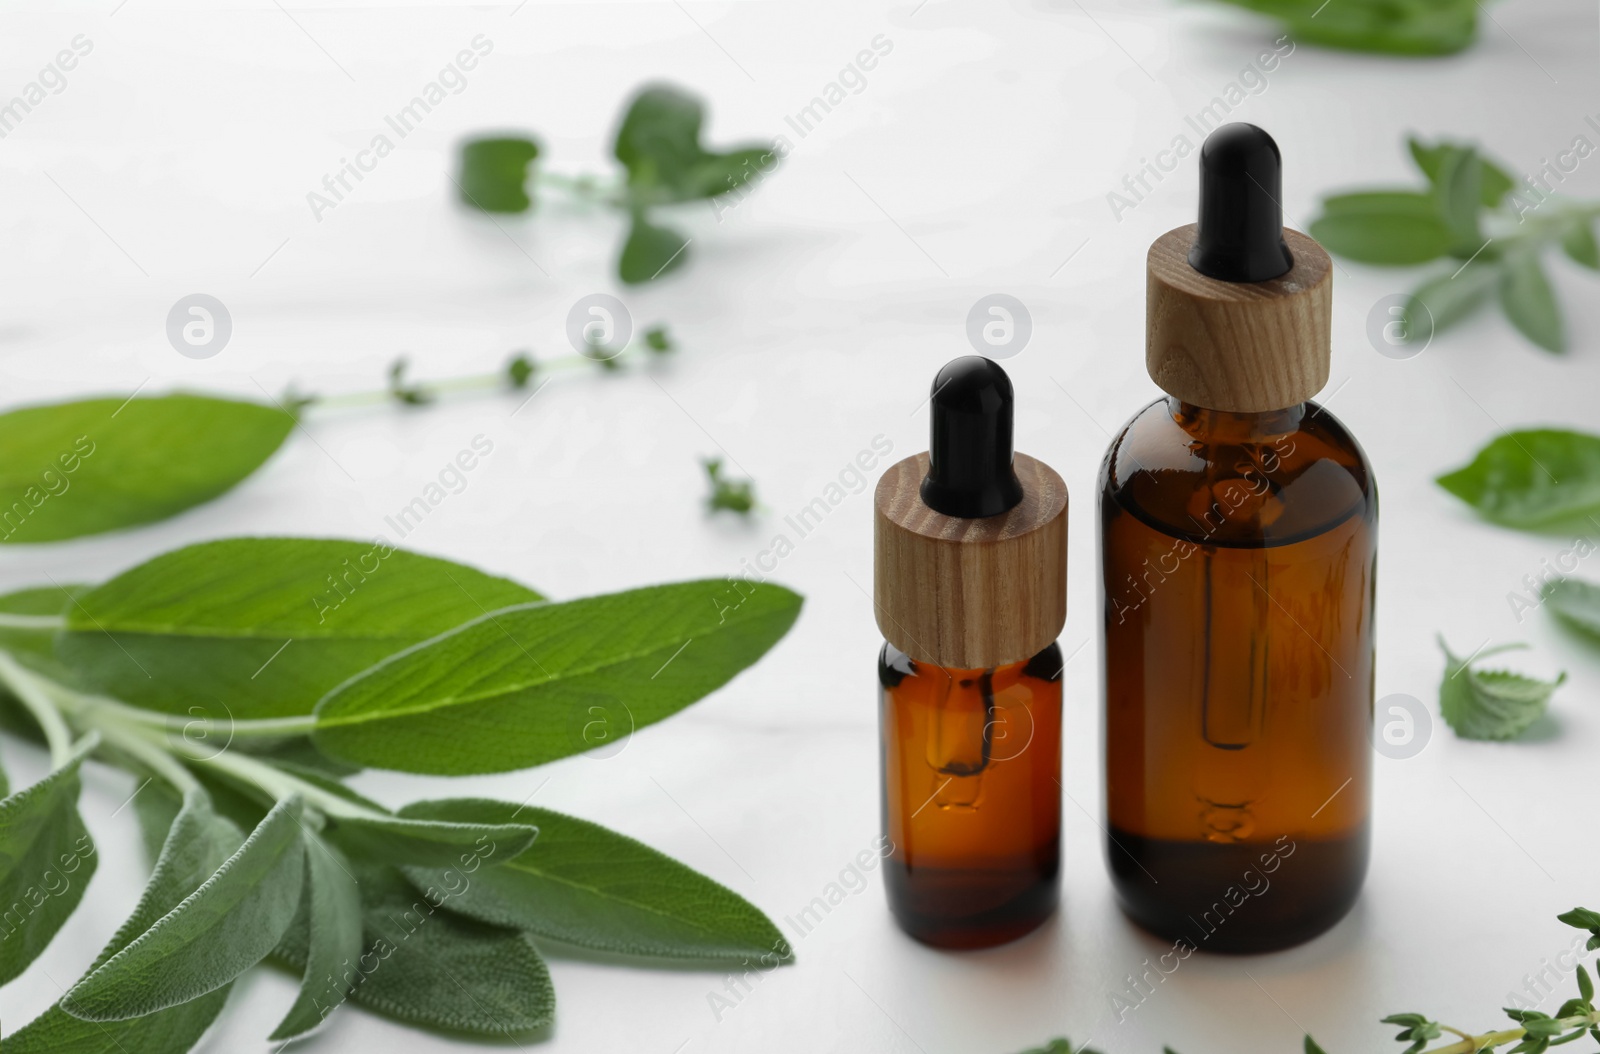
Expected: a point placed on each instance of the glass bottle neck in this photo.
(1235, 426)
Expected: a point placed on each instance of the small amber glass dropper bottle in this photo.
(970, 576)
(1238, 530)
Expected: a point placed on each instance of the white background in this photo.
(977, 159)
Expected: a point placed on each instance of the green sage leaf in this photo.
(1493, 181)
(46, 861)
(1448, 298)
(1574, 602)
(229, 924)
(1490, 704)
(198, 843)
(428, 966)
(1578, 242)
(330, 908)
(431, 842)
(522, 686)
(70, 469)
(650, 251)
(29, 622)
(1393, 228)
(1530, 303)
(265, 625)
(156, 806)
(1459, 189)
(585, 885)
(494, 173)
(1531, 479)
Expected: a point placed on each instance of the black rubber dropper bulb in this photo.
(969, 456)
(1241, 218)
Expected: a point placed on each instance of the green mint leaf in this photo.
(46, 861)
(435, 968)
(198, 843)
(1493, 182)
(657, 339)
(1578, 242)
(1531, 479)
(1448, 298)
(1530, 303)
(1392, 228)
(1574, 602)
(1490, 704)
(225, 927)
(330, 908)
(650, 251)
(522, 686)
(266, 625)
(428, 842)
(1312, 1047)
(71, 469)
(585, 885)
(1585, 985)
(1397, 27)
(494, 173)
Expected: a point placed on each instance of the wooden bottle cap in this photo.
(1238, 346)
(970, 594)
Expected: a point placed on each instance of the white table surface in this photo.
(977, 158)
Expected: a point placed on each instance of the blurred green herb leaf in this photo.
(1532, 479)
(1490, 704)
(1473, 212)
(1574, 602)
(734, 495)
(1530, 303)
(657, 339)
(1383, 227)
(494, 173)
(664, 163)
(406, 394)
(1396, 27)
(650, 250)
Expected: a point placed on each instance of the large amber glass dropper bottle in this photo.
(969, 584)
(1238, 531)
